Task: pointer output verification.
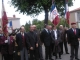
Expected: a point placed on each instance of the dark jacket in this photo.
(7, 48)
(46, 37)
(56, 42)
(38, 36)
(32, 39)
(72, 38)
(19, 41)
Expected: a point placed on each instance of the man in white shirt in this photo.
(56, 39)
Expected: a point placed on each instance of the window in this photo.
(78, 16)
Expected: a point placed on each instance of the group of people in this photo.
(30, 43)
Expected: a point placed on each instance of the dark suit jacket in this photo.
(5, 47)
(46, 38)
(72, 38)
(56, 42)
(58, 36)
(19, 41)
(32, 39)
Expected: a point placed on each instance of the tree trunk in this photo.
(46, 17)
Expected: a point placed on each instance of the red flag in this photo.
(67, 14)
(54, 15)
(4, 19)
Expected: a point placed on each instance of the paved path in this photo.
(64, 56)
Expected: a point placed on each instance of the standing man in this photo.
(33, 44)
(39, 42)
(56, 38)
(63, 39)
(73, 40)
(46, 39)
(1, 35)
(21, 40)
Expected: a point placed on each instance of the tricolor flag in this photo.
(9, 24)
(54, 15)
(4, 19)
(67, 14)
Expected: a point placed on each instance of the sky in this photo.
(10, 10)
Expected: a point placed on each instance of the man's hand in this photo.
(37, 45)
(6, 41)
(31, 48)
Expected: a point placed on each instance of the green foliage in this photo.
(30, 7)
(40, 24)
(63, 22)
(27, 25)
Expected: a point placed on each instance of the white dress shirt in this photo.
(46, 30)
(55, 33)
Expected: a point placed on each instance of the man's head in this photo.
(31, 28)
(47, 26)
(50, 27)
(34, 27)
(61, 27)
(22, 29)
(73, 25)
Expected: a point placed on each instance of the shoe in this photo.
(77, 59)
(59, 57)
(67, 53)
(51, 59)
(71, 58)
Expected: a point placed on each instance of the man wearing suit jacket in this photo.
(73, 40)
(46, 39)
(33, 44)
(21, 40)
(56, 39)
(39, 42)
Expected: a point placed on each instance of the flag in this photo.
(9, 24)
(67, 14)
(10, 27)
(54, 15)
(4, 19)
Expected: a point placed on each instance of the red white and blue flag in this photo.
(67, 14)
(4, 19)
(54, 15)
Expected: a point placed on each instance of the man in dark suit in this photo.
(46, 39)
(39, 42)
(1, 34)
(73, 40)
(63, 39)
(33, 44)
(56, 39)
(21, 40)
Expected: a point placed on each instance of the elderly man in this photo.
(39, 41)
(63, 38)
(32, 43)
(21, 40)
(73, 40)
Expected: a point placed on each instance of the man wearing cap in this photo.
(73, 40)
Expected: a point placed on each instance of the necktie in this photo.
(75, 31)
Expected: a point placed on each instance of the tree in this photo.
(27, 25)
(35, 7)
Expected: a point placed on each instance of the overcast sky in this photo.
(10, 10)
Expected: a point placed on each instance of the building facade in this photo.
(75, 17)
(15, 23)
